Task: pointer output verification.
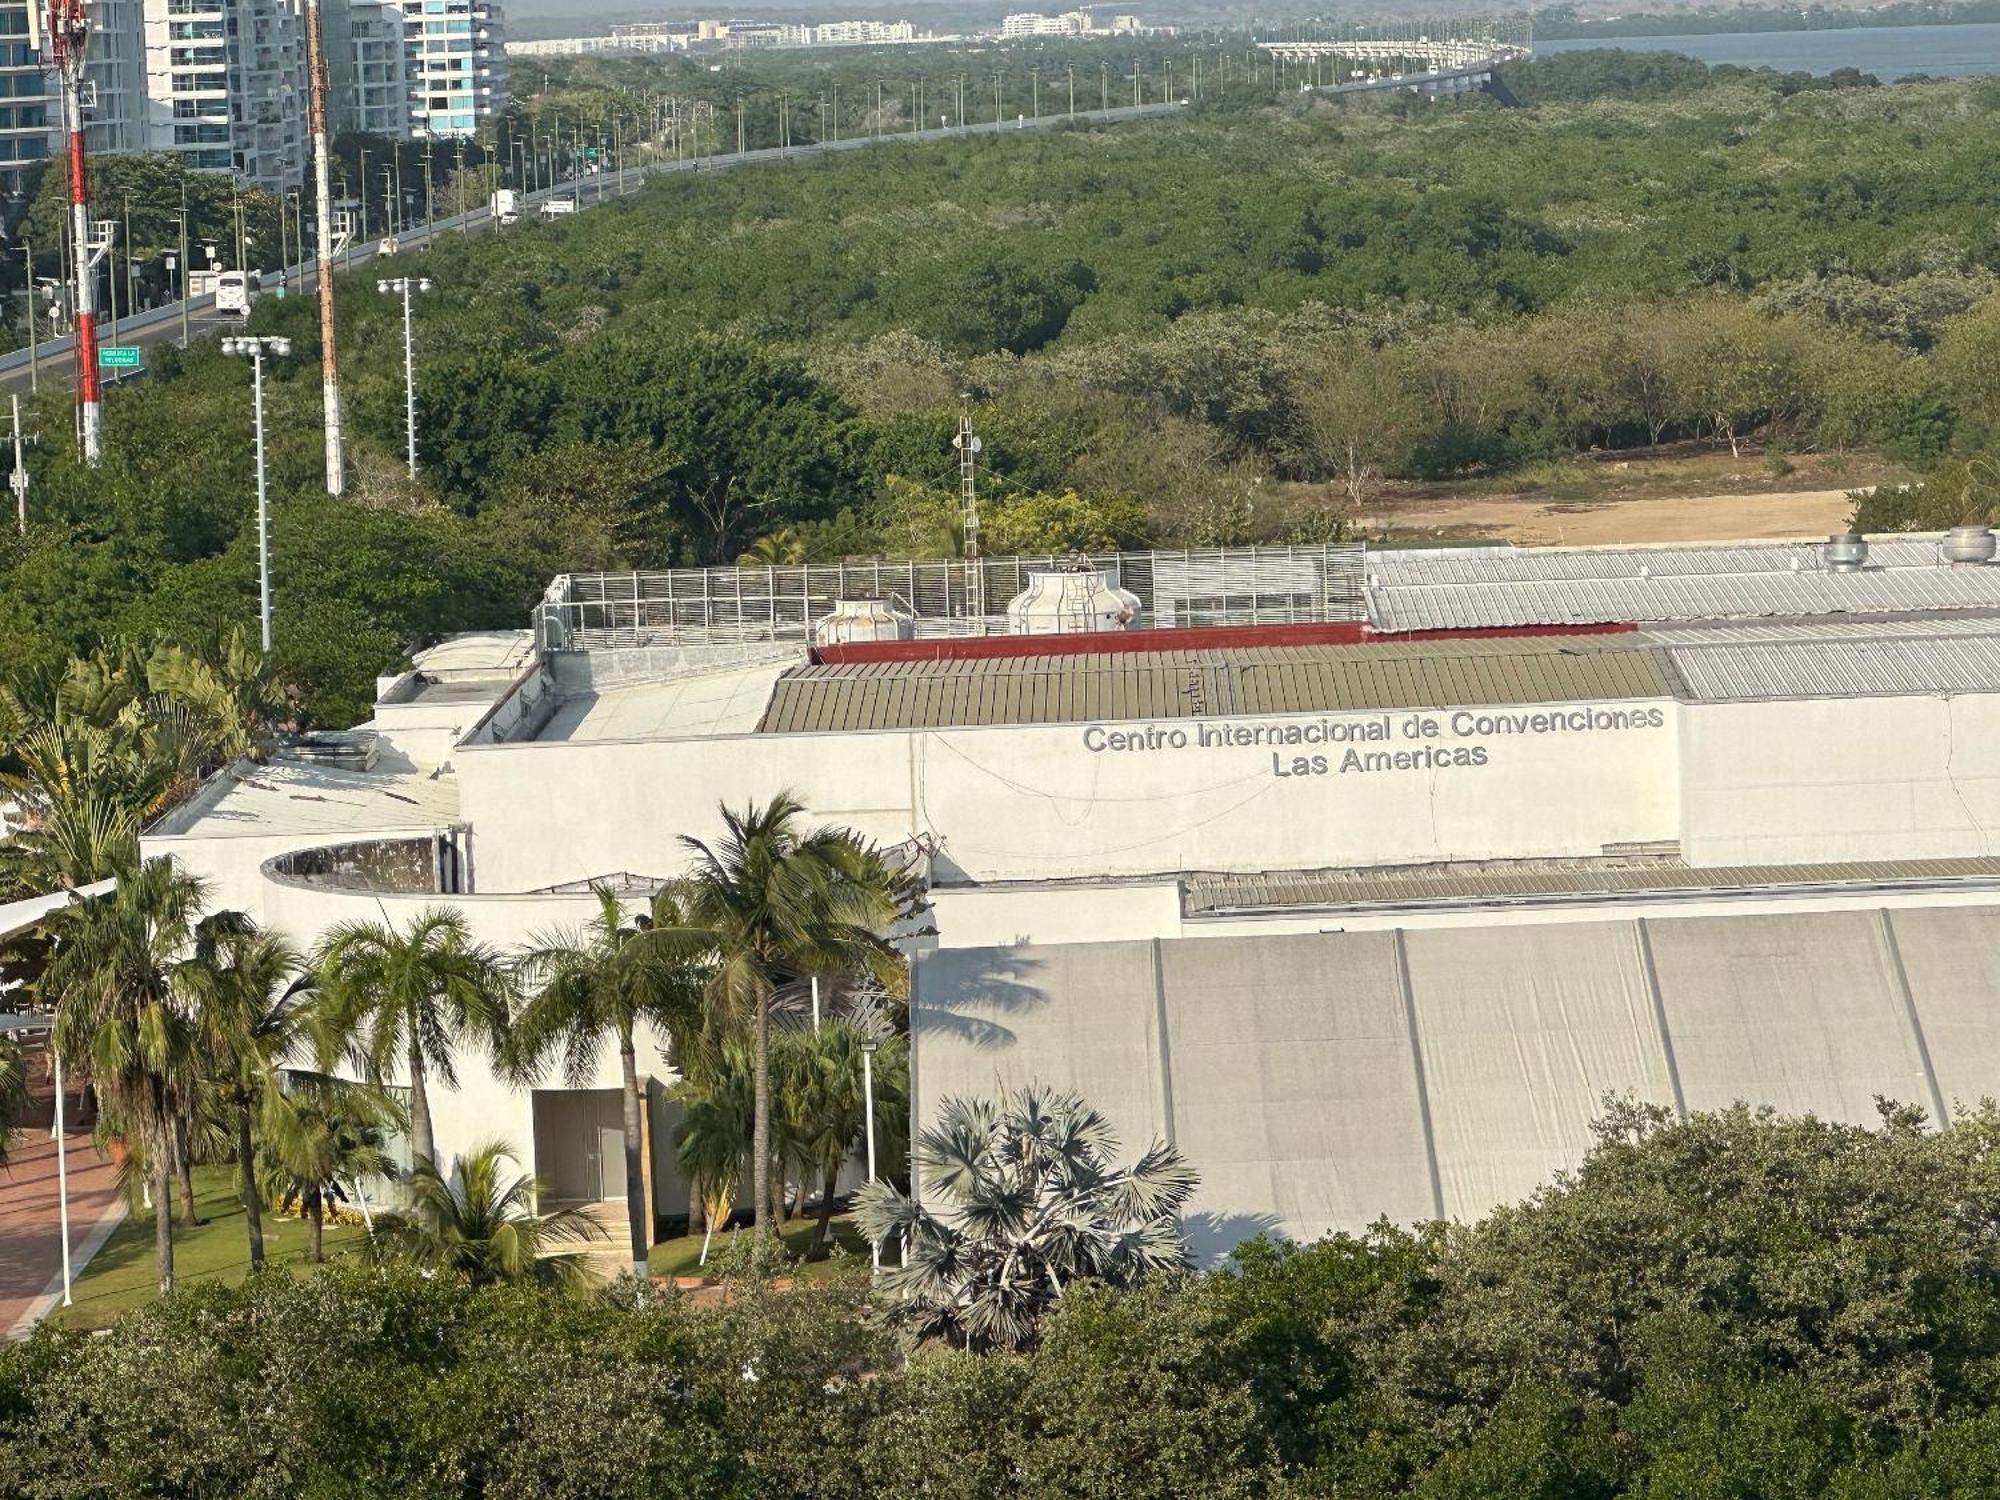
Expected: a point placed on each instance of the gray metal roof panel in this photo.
(1203, 894)
(1212, 684)
(1739, 671)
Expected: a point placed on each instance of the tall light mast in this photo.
(329, 365)
(68, 30)
(968, 445)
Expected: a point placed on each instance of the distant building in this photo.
(1033, 23)
(861, 33)
(25, 108)
(368, 75)
(455, 51)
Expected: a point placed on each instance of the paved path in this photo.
(30, 1246)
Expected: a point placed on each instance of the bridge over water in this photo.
(1449, 58)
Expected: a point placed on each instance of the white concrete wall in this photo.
(994, 917)
(1841, 779)
(482, 1106)
(1042, 802)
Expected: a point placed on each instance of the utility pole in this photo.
(255, 349)
(403, 286)
(968, 446)
(68, 29)
(329, 364)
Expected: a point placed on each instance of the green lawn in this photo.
(680, 1257)
(121, 1275)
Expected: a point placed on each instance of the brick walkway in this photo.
(30, 1245)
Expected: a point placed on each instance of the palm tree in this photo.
(248, 1021)
(715, 1130)
(776, 902)
(120, 979)
(480, 1224)
(13, 1091)
(413, 996)
(1031, 1204)
(320, 1136)
(822, 1100)
(596, 985)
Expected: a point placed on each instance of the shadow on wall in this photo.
(1213, 1238)
(981, 983)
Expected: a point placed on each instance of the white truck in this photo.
(506, 206)
(557, 208)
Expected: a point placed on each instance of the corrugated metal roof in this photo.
(1213, 684)
(1835, 628)
(1735, 672)
(1461, 588)
(1343, 888)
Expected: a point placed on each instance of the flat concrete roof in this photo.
(287, 797)
(683, 707)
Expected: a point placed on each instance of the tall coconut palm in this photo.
(413, 996)
(480, 1223)
(13, 1091)
(248, 1023)
(596, 985)
(776, 900)
(120, 980)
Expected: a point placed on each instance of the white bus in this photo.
(234, 292)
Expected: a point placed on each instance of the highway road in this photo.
(52, 361)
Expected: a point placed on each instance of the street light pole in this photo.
(868, 1046)
(255, 349)
(404, 286)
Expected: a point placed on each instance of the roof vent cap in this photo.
(1968, 545)
(1846, 552)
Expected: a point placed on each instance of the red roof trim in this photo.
(1191, 638)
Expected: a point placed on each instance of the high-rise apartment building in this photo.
(225, 87)
(368, 78)
(24, 108)
(457, 74)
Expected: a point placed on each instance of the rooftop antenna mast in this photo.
(329, 366)
(68, 30)
(968, 446)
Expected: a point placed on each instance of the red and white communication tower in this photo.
(68, 29)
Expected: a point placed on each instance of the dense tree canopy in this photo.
(1733, 1305)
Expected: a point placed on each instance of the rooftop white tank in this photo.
(1071, 601)
(862, 620)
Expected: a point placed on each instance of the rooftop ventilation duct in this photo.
(1845, 553)
(863, 620)
(1967, 546)
(1071, 602)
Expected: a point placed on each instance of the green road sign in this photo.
(118, 356)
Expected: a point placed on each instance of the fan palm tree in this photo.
(1030, 1205)
(248, 1022)
(120, 980)
(320, 1136)
(412, 996)
(776, 901)
(596, 985)
(13, 1091)
(480, 1223)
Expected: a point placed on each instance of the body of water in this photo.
(1889, 52)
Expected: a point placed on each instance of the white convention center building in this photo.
(1363, 875)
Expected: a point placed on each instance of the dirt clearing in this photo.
(1541, 522)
